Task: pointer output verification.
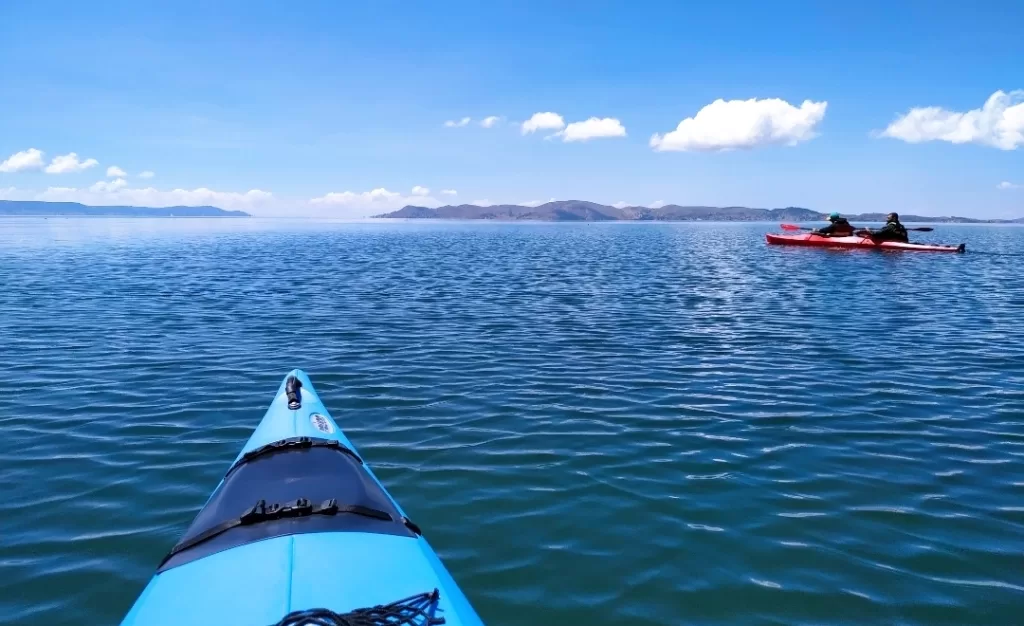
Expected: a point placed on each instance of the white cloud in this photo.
(30, 159)
(999, 123)
(367, 203)
(1008, 185)
(657, 204)
(533, 203)
(743, 124)
(457, 124)
(108, 186)
(621, 204)
(420, 191)
(114, 171)
(489, 122)
(349, 197)
(116, 192)
(9, 193)
(540, 121)
(146, 174)
(449, 192)
(69, 163)
(593, 128)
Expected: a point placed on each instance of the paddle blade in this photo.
(922, 229)
(790, 227)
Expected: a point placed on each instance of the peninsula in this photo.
(73, 209)
(581, 211)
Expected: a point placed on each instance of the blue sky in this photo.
(267, 105)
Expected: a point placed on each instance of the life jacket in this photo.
(892, 231)
(841, 228)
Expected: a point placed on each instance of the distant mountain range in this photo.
(558, 211)
(580, 211)
(53, 209)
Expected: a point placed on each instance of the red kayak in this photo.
(817, 241)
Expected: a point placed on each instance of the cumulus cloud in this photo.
(104, 186)
(68, 163)
(350, 197)
(490, 121)
(621, 204)
(30, 159)
(117, 192)
(146, 174)
(115, 172)
(457, 124)
(1008, 185)
(543, 121)
(593, 128)
(367, 203)
(449, 192)
(657, 204)
(999, 123)
(743, 124)
(533, 203)
(420, 191)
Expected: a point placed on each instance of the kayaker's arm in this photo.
(889, 232)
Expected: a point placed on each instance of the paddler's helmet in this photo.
(892, 217)
(833, 216)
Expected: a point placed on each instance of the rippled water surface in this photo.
(597, 424)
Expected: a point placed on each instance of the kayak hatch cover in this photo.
(300, 529)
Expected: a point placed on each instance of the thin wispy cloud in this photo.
(1007, 185)
(449, 192)
(743, 124)
(490, 121)
(458, 123)
(999, 123)
(146, 174)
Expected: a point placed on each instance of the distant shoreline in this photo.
(19, 208)
(581, 211)
(99, 215)
(853, 220)
(561, 211)
(107, 215)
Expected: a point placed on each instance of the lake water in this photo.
(597, 424)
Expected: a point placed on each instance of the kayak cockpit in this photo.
(287, 487)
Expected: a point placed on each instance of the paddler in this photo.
(838, 227)
(892, 231)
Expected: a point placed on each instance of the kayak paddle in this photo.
(920, 229)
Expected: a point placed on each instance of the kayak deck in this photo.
(817, 241)
(258, 584)
(302, 555)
